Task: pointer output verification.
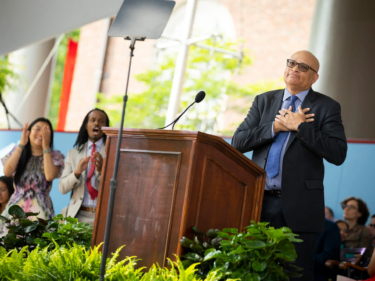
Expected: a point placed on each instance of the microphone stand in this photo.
(178, 118)
(113, 182)
(7, 113)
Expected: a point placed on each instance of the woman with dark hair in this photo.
(6, 191)
(34, 165)
(83, 166)
(356, 214)
(344, 227)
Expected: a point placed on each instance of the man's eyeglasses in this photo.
(350, 207)
(301, 66)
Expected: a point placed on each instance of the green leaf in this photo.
(209, 251)
(259, 266)
(272, 277)
(216, 241)
(31, 214)
(285, 256)
(286, 247)
(187, 263)
(59, 217)
(52, 224)
(212, 255)
(193, 256)
(254, 244)
(196, 248)
(68, 219)
(42, 221)
(185, 242)
(225, 235)
(212, 233)
(196, 240)
(24, 222)
(197, 231)
(10, 240)
(30, 240)
(14, 228)
(207, 246)
(46, 235)
(16, 210)
(225, 243)
(239, 250)
(31, 228)
(231, 230)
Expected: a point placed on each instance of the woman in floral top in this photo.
(34, 165)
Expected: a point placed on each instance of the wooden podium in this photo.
(169, 181)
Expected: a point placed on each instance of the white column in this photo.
(179, 74)
(27, 62)
(342, 38)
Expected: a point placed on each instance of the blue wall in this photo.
(353, 178)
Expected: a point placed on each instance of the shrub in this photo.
(75, 262)
(259, 253)
(25, 232)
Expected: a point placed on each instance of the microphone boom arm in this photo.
(178, 118)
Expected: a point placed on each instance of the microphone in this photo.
(198, 98)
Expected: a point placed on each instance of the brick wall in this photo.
(272, 30)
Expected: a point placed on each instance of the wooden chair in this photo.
(348, 257)
(354, 270)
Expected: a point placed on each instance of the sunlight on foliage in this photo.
(77, 263)
(206, 70)
(8, 77)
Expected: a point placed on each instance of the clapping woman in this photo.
(34, 165)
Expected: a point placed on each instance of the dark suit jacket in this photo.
(327, 248)
(303, 168)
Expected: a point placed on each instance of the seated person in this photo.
(327, 248)
(34, 165)
(328, 213)
(370, 271)
(344, 228)
(371, 227)
(371, 267)
(83, 166)
(6, 190)
(356, 214)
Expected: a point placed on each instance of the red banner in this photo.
(70, 62)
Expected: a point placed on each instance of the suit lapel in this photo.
(276, 103)
(81, 155)
(307, 103)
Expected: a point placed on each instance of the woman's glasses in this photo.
(350, 207)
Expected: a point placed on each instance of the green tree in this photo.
(206, 70)
(8, 76)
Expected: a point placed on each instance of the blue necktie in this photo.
(273, 161)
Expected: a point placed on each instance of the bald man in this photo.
(290, 132)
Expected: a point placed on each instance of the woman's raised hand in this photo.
(46, 135)
(25, 135)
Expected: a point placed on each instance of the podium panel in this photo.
(169, 181)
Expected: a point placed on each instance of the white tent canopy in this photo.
(23, 23)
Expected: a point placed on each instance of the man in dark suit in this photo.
(327, 248)
(290, 132)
